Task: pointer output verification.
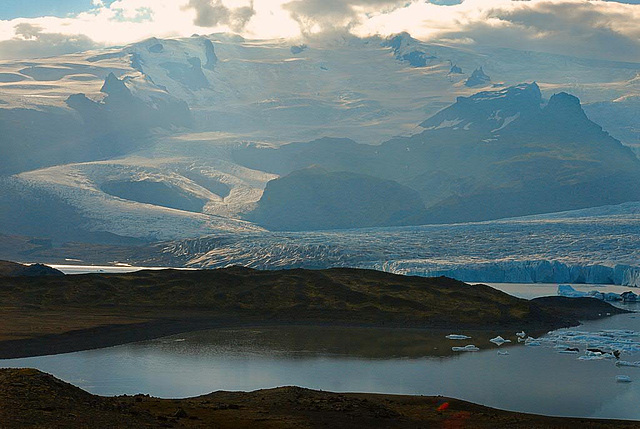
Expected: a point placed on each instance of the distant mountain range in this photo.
(492, 155)
(179, 138)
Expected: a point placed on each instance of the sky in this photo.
(587, 28)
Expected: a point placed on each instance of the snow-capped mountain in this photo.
(158, 131)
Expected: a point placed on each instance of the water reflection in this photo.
(530, 379)
(303, 341)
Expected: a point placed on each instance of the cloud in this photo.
(31, 41)
(213, 13)
(589, 28)
(331, 15)
(593, 29)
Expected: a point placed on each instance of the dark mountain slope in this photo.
(315, 198)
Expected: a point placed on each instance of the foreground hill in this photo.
(30, 398)
(53, 315)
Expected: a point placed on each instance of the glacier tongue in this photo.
(523, 272)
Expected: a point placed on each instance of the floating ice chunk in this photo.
(611, 296)
(626, 363)
(502, 353)
(569, 351)
(591, 357)
(498, 341)
(467, 348)
(623, 379)
(521, 334)
(457, 337)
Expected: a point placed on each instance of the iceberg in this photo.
(629, 297)
(498, 341)
(457, 337)
(521, 334)
(623, 379)
(502, 353)
(467, 348)
(570, 292)
(611, 296)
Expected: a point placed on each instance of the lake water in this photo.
(529, 379)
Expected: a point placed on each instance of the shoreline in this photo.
(35, 399)
(121, 334)
(113, 335)
(61, 314)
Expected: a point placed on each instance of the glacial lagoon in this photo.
(534, 379)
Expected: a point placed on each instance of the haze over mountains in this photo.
(182, 138)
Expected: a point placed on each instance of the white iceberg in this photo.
(467, 348)
(502, 353)
(570, 292)
(521, 334)
(623, 379)
(457, 337)
(498, 341)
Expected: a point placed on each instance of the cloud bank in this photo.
(588, 28)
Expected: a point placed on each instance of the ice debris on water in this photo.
(498, 341)
(563, 348)
(626, 363)
(521, 334)
(623, 379)
(605, 340)
(588, 355)
(457, 337)
(502, 353)
(467, 348)
(570, 292)
(533, 342)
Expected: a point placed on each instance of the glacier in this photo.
(591, 246)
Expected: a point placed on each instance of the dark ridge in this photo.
(12, 269)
